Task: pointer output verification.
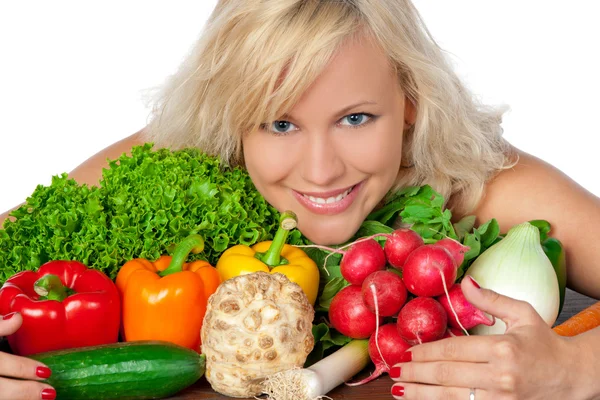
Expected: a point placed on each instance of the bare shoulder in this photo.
(534, 189)
(90, 171)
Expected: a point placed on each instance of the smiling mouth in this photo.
(329, 200)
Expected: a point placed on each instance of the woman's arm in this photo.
(90, 171)
(534, 189)
(529, 361)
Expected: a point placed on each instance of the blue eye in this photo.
(282, 127)
(356, 120)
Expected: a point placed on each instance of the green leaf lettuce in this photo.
(145, 203)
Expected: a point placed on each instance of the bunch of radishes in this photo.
(437, 307)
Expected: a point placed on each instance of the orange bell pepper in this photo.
(167, 299)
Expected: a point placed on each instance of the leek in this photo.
(517, 267)
(320, 378)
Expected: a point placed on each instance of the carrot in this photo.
(583, 321)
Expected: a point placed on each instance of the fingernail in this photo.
(474, 282)
(43, 372)
(395, 372)
(48, 394)
(8, 316)
(397, 391)
(407, 356)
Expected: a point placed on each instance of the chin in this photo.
(328, 234)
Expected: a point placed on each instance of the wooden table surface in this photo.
(379, 388)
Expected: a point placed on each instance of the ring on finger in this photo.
(472, 394)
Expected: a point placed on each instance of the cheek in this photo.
(379, 150)
(267, 162)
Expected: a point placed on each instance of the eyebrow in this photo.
(340, 112)
(363, 103)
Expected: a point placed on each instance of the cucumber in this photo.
(125, 371)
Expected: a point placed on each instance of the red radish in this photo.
(468, 315)
(400, 244)
(390, 291)
(456, 249)
(386, 349)
(423, 270)
(349, 315)
(422, 320)
(361, 260)
(453, 332)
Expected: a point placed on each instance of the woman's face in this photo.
(333, 158)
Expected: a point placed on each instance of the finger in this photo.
(451, 374)
(22, 367)
(11, 389)
(19, 367)
(10, 323)
(458, 348)
(412, 391)
(513, 312)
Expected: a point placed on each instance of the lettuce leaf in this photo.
(145, 203)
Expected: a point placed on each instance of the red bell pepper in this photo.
(64, 305)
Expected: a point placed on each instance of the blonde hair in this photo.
(255, 58)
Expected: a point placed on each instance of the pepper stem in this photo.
(287, 222)
(193, 243)
(51, 288)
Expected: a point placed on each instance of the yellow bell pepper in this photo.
(273, 256)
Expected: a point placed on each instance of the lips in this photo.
(328, 203)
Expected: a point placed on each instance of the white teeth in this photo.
(316, 200)
(329, 200)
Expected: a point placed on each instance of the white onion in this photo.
(517, 267)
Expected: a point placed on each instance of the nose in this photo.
(322, 163)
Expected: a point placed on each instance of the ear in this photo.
(410, 113)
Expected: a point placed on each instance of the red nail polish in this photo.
(43, 372)
(395, 372)
(407, 356)
(474, 282)
(48, 394)
(8, 316)
(397, 391)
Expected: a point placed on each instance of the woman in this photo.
(332, 104)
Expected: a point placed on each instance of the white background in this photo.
(73, 75)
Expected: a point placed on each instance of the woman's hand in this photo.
(528, 362)
(25, 370)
